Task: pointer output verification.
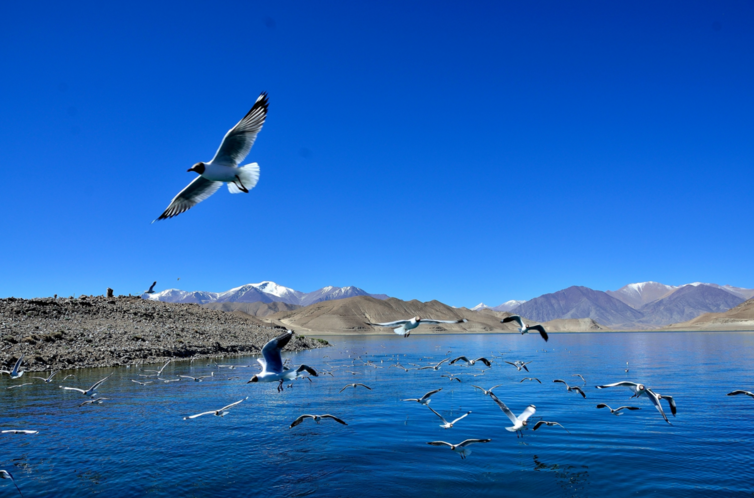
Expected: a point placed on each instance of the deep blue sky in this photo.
(453, 151)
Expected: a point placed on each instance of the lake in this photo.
(137, 443)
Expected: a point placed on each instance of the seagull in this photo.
(224, 167)
(519, 364)
(446, 424)
(316, 418)
(404, 327)
(524, 328)
(544, 422)
(169, 380)
(734, 393)
(451, 377)
(354, 386)
(617, 411)
(471, 362)
(217, 413)
(87, 392)
(460, 448)
(569, 388)
(21, 385)
(47, 379)
(197, 379)
(159, 372)
(4, 474)
(424, 400)
(19, 431)
(486, 391)
(642, 390)
(579, 375)
(530, 378)
(151, 288)
(95, 401)
(433, 367)
(141, 383)
(15, 374)
(520, 422)
(272, 363)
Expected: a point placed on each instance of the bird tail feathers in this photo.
(249, 176)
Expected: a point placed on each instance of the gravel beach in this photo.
(96, 331)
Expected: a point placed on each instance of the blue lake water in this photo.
(137, 442)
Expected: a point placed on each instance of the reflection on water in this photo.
(137, 442)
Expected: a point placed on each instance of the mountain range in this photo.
(263, 292)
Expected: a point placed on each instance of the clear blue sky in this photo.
(460, 151)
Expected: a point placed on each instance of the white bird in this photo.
(424, 400)
(530, 378)
(87, 392)
(569, 388)
(151, 288)
(316, 418)
(471, 362)
(47, 379)
(519, 364)
(354, 386)
(642, 390)
(404, 327)
(524, 328)
(445, 424)
(169, 380)
(20, 385)
(4, 474)
(520, 422)
(217, 413)
(159, 372)
(224, 167)
(141, 383)
(19, 431)
(460, 448)
(272, 363)
(617, 411)
(544, 422)
(197, 379)
(486, 391)
(433, 367)
(452, 377)
(15, 373)
(735, 393)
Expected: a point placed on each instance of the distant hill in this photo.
(739, 318)
(579, 302)
(258, 308)
(686, 303)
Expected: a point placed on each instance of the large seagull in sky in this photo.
(223, 168)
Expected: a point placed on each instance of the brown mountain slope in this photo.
(739, 318)
(257, 308)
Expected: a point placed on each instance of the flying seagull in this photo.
(471, 362)
(520, 422)
(159, 372)
(87, 392)
(19, 431)
(544, 422)
(617, 411)
(15, 373)
(433, 367)
(424, 400)
(197, 379)
(21, 385)
(354, 386)
(4, 474)
(404, 327)
(519, 364)
(734, 393)
(151, 288)
(569, 388)
(524, 328)
(530, 378)
(224, 167)
(272, 363)
(642, 390)
(217, 413)
(486, 392)
(47, 379)
(316, 418)
(445, 424)
(451, 377)
(460, 448)
(141, 383)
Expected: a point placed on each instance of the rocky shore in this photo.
(97, 331)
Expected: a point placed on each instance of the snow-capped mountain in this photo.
(638, 294)
(265, 292)
(507, 305)
(480, 306)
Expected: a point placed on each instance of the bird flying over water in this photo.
(734, 393)
(15, 373)
(524, 328)
(217, 413)
(520, 422)
(424, 399)
(316, 418)
(445, 424)
(272, 363)
(571, 388)
(460, 448)
(642, 390)
(354, 386)
(544, 422)
(4, 474)
(86, 392)
(486, 392)
(519, 364)
(47, 379)
(530, 378)
(471, 362)
(224, 167)
(617, 411)
(404, 327)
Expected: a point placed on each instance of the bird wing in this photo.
(194, 193)
(389, 324)
(271, 352)
(559, 380)
(485, 361)
(364, 385)
(229, 406)
(198, 415)
(97, 384)
(524, 365)
(505, 409)
(307, 369)
(151, 287)
(472, 441)
(17, 365)
(541, 331)
(656, 401)
(459, 358)
(163, 367)
(729, 394)
(494, 387)
(73, 389)
(334, 418)
(480, 388)
(187, 377)
(459, 418)
(603, 405)
(440, 363)
(300, 419)
(513, 318)
(238, 141)
(349, 385)
(671, 402)
(430, 321)
(430, 393)
(441, 417)
(527, 413)
(511, 363)
(578, 390)
(626, 408)
(632, 385)
(440, 443)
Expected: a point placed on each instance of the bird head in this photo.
(197, 168)
(253, 379)
(418, 319)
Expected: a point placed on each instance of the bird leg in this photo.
(280, 386)
(240, 185)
